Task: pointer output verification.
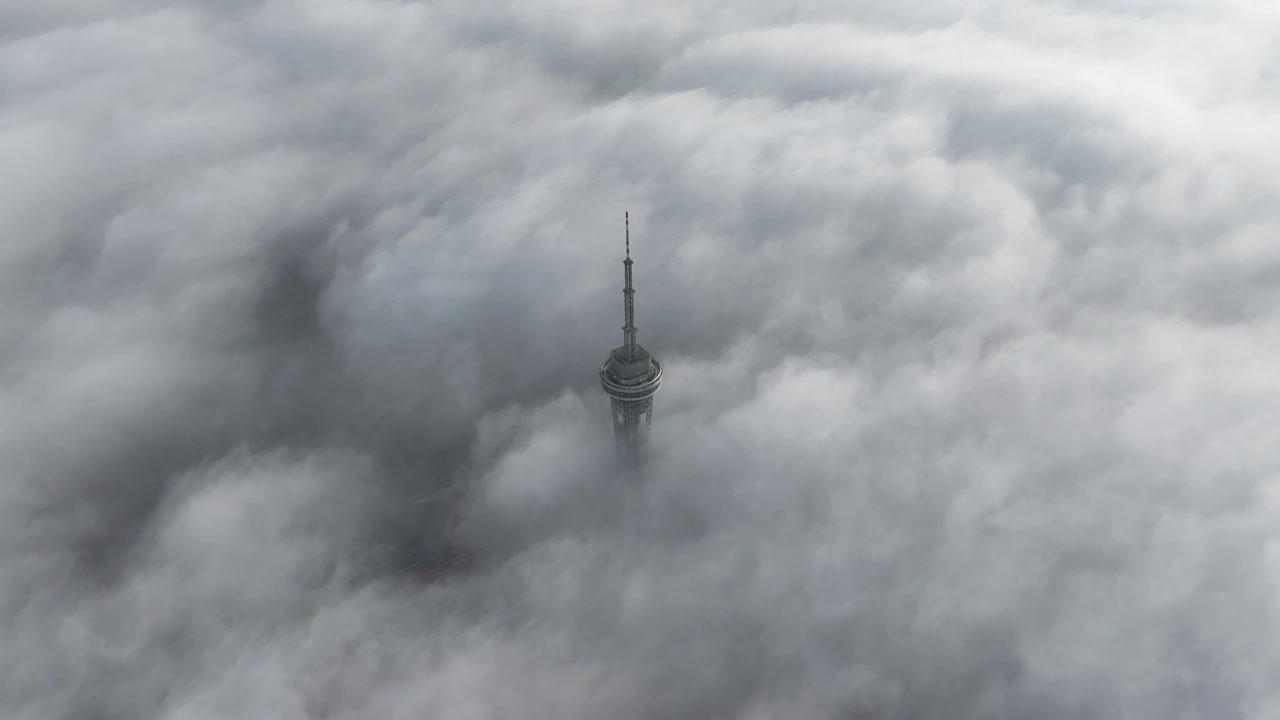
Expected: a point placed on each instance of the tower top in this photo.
(630, 376)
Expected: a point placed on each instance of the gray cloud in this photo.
(965, 308)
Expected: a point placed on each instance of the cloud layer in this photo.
(967, 312)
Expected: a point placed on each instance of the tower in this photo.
(631, 377)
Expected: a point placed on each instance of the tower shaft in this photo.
(630, 429)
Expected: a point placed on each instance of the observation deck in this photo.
(630, 381)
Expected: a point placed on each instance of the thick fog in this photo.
(968, 312)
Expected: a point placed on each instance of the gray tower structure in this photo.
(631, 377)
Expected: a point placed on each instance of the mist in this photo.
(967, 312)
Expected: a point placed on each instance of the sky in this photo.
(967, 311)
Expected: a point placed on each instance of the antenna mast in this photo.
(628, 293)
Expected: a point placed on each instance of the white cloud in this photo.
(965, 311)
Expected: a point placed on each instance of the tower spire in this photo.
(628, 292)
